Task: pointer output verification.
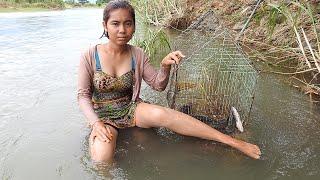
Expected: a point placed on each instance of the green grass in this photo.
(154, 42)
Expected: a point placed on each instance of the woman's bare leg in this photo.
(148, 115)
(103, 151)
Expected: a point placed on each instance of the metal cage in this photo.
(215, 76)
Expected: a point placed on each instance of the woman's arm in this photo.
(84, 98)
(85, 75)
(158, 80)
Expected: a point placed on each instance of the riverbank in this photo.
(6, 6)
(13, 9)
(23, 6)
(284, 35)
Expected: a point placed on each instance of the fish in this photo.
(239, 123)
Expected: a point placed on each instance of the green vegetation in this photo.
(154, 42)
(41, 5)
(275, 18)
(102, 2)
(79, 4)
(13, 5)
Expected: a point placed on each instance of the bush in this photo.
(102, 2)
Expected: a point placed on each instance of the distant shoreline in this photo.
(37, 7)
(14, 9)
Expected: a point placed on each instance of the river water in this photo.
(43, 134)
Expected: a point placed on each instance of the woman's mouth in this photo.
(122, 38)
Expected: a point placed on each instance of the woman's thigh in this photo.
(103, 151)
(150, 115)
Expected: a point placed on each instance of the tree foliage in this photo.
(102, 2)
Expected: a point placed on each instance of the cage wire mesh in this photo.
(215, 75)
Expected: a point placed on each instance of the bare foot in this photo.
(250, 150)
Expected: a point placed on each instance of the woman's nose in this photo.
(121, 29)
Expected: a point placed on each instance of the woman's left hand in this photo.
(172, 58)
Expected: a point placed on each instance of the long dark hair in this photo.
(113, 5)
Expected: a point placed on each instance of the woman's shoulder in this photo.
(87, 56)
(138, 52)
(89, 51)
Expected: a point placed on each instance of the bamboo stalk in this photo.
(301, 47)
(299, 72)
(311, 51)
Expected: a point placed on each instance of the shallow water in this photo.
(43, 133)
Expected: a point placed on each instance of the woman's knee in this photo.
(103, 151)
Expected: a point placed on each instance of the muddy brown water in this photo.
(43, 134)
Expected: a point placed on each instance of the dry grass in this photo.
(291, 43)
(284, 34)
(162, 13)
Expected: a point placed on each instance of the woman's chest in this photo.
(105, 83)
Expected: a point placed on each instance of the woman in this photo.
(109, 83)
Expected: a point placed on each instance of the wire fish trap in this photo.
(214, 77)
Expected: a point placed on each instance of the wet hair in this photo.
(113, 5)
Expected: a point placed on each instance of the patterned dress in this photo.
(112, 96)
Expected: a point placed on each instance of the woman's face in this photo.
(120, 26)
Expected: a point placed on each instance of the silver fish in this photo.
(237, 118)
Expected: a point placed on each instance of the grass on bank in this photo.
(284, 34)
(291, 43)
(163, 13)
(154, 42)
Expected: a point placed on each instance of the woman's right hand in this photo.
(172, 58)
(101, 131)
